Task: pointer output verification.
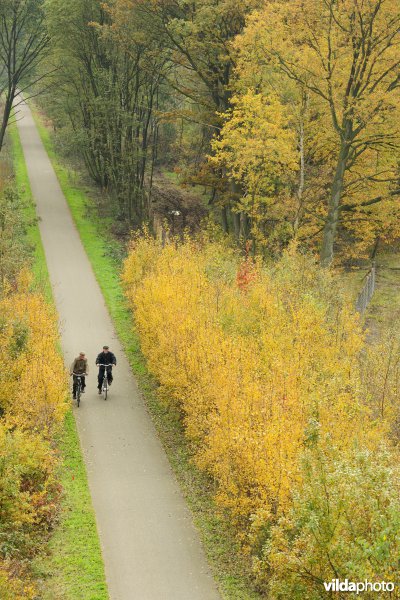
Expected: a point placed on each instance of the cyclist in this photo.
(79, 367)
(105, 358)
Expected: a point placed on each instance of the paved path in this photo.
(150, 546)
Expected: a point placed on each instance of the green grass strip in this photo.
(230, 570)
(33, 239)
(74, 568)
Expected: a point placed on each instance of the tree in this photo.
(258, 149)
(199, 37)
(345, 53)
(110, 79)
(23, 45)
(298, 212)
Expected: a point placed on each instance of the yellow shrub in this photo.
(33, 380)
(255, 369)
(33, 393)
(29, 492)
(12, 588)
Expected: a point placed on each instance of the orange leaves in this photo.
(246, 273)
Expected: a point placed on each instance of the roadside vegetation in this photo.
(33, 403)
(285, 406)
(49, 545)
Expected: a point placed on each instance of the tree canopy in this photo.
(286, 113)
(23, 45)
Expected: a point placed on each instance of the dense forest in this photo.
(283, 115)
(249, 152)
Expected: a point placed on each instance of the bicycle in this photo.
(105, 385)
(78, 389)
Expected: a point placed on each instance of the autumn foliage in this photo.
(344, 520)
(263, 363)
(32, 405)
(33, 382)
(312, 133)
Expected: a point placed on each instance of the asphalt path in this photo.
(150, 546)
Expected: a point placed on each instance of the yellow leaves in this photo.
(333, 66)
(14, 589)
(249, 371)
(257, 148)
(141, 259)
(29, 492)
(256, 144)
(344, 518)
(33, 391)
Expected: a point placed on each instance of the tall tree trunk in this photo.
(224, 217)
(236, 193)
(328, 241)
(244, 226)
(300, 189)
(236, 224)
(6, 115)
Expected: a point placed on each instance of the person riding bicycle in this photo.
(105, 358)
(79, 367)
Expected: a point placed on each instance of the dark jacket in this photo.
(80, 366)
(106, 359)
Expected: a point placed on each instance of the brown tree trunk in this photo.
(244, 226)
(300, 189)
(224, 217)
(236, 193)
(328, 241)
(6, 115)
(236, 224)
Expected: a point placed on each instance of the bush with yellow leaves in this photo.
(33, 394)
(381, 377)
(12, 588)
(33, 383)
(29, 497)
(250, 356)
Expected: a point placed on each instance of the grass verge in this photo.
(230, 568)
(33, 239)
(384, 308)
(73, 567)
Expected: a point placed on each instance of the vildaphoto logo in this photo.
(336, 585)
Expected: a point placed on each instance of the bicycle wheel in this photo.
(105, 388)
(78, 393)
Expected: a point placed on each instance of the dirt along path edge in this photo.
(150, 547)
